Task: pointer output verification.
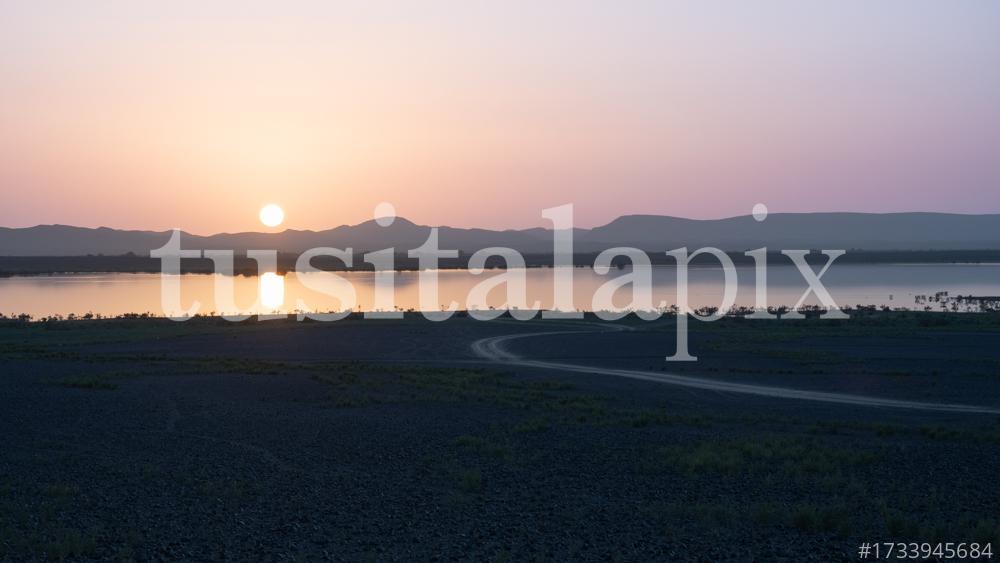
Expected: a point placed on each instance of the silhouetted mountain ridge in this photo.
(865, 231)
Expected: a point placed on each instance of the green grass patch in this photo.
(484, 447)
(789, 456)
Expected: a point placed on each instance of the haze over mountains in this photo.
(861, 231)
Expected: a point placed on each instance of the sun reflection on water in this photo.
(272, 290)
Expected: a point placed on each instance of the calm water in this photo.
(112, 294)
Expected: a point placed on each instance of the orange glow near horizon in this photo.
(131, 116)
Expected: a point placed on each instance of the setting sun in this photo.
(271, 215)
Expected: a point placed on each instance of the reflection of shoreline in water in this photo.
(136, 264)
(894, 286)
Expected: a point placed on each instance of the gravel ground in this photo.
(388, 440)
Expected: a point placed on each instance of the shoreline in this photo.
(738, 314)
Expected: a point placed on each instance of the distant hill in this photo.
(862, 231)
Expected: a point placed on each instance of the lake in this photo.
(893, 285)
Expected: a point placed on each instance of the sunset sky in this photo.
(195, 114)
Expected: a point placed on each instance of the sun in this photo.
(271, 215)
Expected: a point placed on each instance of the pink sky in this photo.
(473, 115)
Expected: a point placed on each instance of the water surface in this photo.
(894, 285)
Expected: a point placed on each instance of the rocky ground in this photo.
(389, 440)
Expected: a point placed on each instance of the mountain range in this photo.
(859, 231)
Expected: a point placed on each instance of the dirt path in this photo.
(494, 349)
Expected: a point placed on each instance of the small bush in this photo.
(88, 382)
(469, 480)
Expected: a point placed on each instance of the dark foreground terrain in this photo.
(391, 440)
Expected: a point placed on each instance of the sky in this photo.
(135, 114)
